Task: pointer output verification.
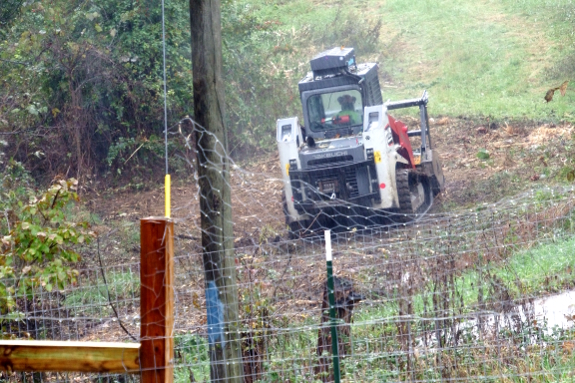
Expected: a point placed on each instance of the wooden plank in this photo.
(35, 355)
(157, 300)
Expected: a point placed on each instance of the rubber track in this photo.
(403, 193)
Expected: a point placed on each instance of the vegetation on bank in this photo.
(81, 88)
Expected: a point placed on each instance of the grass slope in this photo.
(476, 58)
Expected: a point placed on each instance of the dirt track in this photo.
(521, 156)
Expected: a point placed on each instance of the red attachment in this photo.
(382, 185)
(400, 131)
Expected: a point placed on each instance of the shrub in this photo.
(41, 245)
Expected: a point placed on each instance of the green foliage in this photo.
(256, 71)
(192, 355)
(141, 150)
(345, 30)
(15, 186)
(483, 154)
(9, 11)
(92, 71)
(81, 82)
(94, 299)
(41, 244)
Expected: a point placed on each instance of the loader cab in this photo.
(335, 92)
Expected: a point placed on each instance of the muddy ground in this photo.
(483, 161)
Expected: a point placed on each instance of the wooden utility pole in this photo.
(215, 193)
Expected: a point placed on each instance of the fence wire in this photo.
(482, 294)
(477, 295)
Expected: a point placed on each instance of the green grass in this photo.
(476, 58)
(543, 269)
(546, 268)
(93, 299)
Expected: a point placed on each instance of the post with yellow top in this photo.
(157, 300)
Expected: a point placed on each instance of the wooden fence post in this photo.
(157, 300)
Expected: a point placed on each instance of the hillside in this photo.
(486, 65)
(476, 58)
(488, 61)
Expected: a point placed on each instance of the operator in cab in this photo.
(348, 114)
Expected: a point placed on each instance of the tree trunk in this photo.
(215, 197)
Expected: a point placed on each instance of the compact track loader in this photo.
(352, 164)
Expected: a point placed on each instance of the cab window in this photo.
(335, 109)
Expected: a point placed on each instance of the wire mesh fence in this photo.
(483, 294)
(468, 296)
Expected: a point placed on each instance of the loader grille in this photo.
(334, 185)
(331, 161)
(351, 182)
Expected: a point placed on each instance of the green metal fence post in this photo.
(333, 319)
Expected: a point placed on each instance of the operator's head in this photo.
(346, 101)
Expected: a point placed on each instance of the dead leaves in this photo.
(510, 130)
(563, 89)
